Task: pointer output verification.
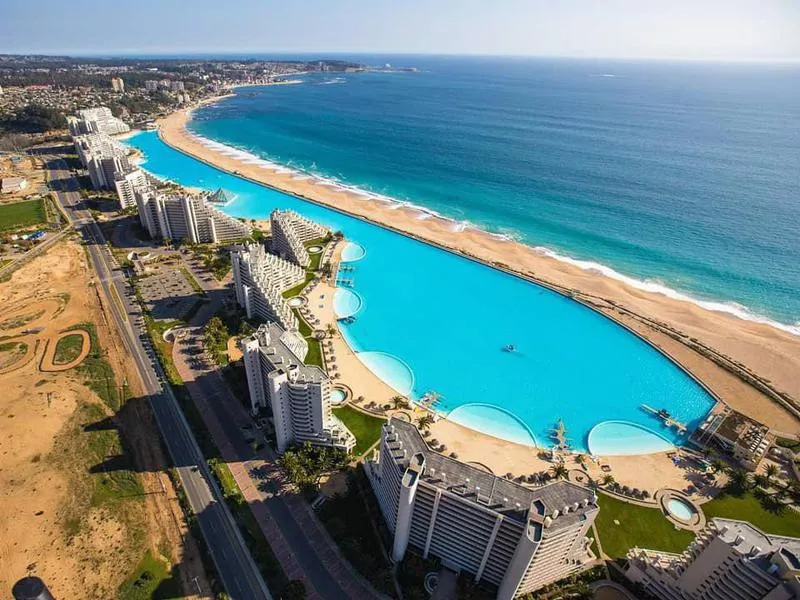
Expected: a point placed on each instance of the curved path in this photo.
(24, 358)
(48, 363)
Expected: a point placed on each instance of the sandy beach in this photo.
(726, 353)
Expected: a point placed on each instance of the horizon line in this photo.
(194, 54)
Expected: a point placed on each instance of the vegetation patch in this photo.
(352, 521)
(10, 352)
(622, 526)
(304, 465)
(150, 581)
(22, 214)
(97, 373)
(756, 507)
(68, 348)
(366, 428)
(314, 356)
(21, 321)
(291, 292)
(249, 527)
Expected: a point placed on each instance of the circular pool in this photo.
(314, 249)
(680, 509)
(338, 395)
(390, 369)
(296, 301)
(494, 421)
(346, 303)
(353, 252)
(622, 438)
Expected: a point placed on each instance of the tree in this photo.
(761, 481)
(34, 118)
(608, 480)
(740, 480)
(560, 471)
(717, 466)
(425, 421)
(399, 402)
(772, 471)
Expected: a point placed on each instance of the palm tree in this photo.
(580, 459)
(608, 480)
(399, 402)
(740, 480)
(560, 471)
(772, 471)
(425, 421)
(717, 465)
(761, 481)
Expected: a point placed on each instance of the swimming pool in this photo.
(337, 396)
(625, 438)
(680, 509)
(346, 303)
(433, 320)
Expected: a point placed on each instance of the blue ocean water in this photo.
(681, 176)
(427, 319)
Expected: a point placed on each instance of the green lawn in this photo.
(68, 348)
(22, 214)
(638, 526)
(150, 581)
(291, 292)
(366, 428)
(746, 507)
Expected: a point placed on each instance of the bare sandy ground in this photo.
(38, 412)
(772, 354)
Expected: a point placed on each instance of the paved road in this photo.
(297, 538)
(235, 566)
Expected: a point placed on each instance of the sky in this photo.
(729, 30)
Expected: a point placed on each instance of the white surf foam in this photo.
(458, 226)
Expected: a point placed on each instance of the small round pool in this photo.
(680, 509)
(295, 302)
(353, 252)
(314, 249)
(338, 395)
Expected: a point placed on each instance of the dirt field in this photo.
(28, 167)
(85, 502)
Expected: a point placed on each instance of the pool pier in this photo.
(668, 420)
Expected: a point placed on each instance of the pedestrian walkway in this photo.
(297, 538)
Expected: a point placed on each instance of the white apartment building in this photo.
(729, 560)
(151, 85)
(177, 86)
(260, 278)
(507, 535)
(96, 120)
(117, 84)
(103, 157)
(290, 233)
(184, 217)
(128, 184)
(298, 394)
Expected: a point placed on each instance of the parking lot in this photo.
(167, 294)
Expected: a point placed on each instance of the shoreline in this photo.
(768, 351)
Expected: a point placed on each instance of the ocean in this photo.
(682, 178)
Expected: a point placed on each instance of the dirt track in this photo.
(48, 363)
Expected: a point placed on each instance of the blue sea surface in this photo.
(682, 176)
(432, 320)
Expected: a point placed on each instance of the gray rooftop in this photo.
(749, 539)
(280, 355)
(497, 493)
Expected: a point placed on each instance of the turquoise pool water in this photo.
(337, 396)
(353, 252)
(624, 438)
(432, 320)
(680, 509)
(346, 303)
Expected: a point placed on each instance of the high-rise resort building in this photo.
(260, 278)
(103, 157)
(96, 120)
(128, 184)
(290, 233)
(504, 534)
(186, 217)
(298, 394)
(728, 560)
(151, 85)
(117, 84)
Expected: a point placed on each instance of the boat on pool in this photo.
(428, 319)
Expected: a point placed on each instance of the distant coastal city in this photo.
(254, 382)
